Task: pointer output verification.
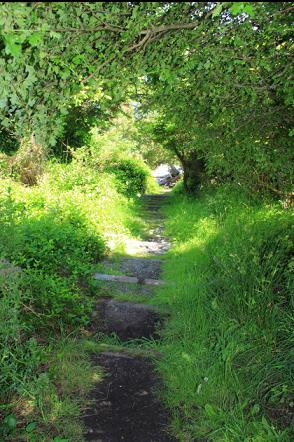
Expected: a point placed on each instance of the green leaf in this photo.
(10, 421)
(65, 74)
(238, 41)
(59, 439)
(55, 35)
(78, 59)
(217, 10)
(255, 409)
(249, 10)
(35, 38)
(3, 103)
(186, 357)
(210, 411)
(237, 8)
(12, 47)
(31, 426)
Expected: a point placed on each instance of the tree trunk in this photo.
(193, 170)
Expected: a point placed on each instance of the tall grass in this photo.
(228, 346)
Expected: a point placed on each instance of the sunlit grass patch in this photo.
(55, 233)
(228, 345)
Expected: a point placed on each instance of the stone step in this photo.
(153, 203)
(160, 239)
(128, 279)
(152, 206)
(155, 195)
(154, 220)
(139, 267)
(152, 214)
(154, 230)
(126, 319)
(151, 209)
(154, 200)
(137, 247)
(115, 288)
(123, 406)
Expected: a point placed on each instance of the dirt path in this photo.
(125, 406)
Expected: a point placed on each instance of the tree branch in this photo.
(172, 27)
(118, 29)
(141, 42)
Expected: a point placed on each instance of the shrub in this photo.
(29, 161)
(56, 244)
(55, 253)
(77, 128)
(54, 250)
(20, 355)
(55, 233)
(57, 240)
(131, 175)
(8, 142)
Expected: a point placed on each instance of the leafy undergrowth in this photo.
(228, 346)
(51, 237)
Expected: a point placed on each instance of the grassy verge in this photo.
(228, 346)
(52, 235)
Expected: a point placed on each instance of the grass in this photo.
(52, 235)
(228, 346)
(52, 400)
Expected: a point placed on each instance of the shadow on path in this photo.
(125, 406)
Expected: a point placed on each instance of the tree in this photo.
(214, 70)
(229, 103)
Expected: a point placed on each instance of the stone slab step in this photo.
(155, 200)
(153, 217)
(152, 210)
(129, 279)
(126, 319)
(139, 267)
(123, 406)
(137, 247)
(114, 288)
(156, 203)
(157, 196)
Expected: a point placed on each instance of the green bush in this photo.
(55, 250)
(55, 255)
(56, 240)
(56, 244)
(8, 143)
(51, 237)
(131, 175)
(77, 128)
(20, 353)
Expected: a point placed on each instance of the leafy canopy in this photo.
(219, 72)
